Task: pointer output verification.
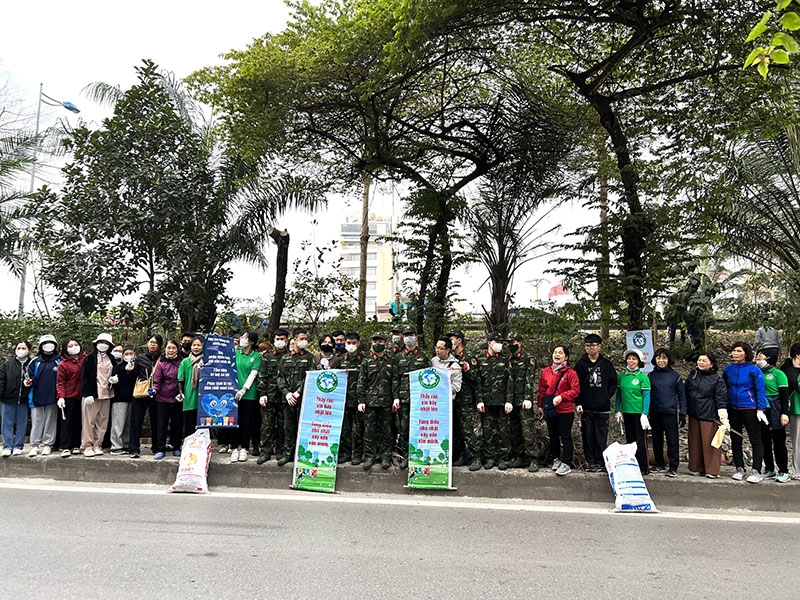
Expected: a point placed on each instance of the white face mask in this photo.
(410, 341)
(129, 358)
(351, 348)
(395, 339)
(74, 350)
(497, 347)
(22, 353)
(48, 347)
(244, 342)
(280, 344)
(117, 355)
(301, 344)
(102, 347)
(762, 364)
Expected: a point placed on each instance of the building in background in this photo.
(380, 274)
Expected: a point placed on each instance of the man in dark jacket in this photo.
(598, 383)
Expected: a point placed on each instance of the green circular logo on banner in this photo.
(327, 382)
(639, 340)
(429, 379)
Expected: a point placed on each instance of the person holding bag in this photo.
(633, 404)
(144, 365)
(558, 389)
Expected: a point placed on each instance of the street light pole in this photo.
(53, 102)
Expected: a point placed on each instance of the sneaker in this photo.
(46, 450)
(158, 456)
(176, 453)
(88, 453)
(16, 452)
(76, 450)
(739, 475)
(754, 477)
(563, 469)
(235, 456)
(783, 478)
(657, 469)
(118, 452)
(769, 475)
(242, 455)
(223, 449)
(65, 453)
(711, 476)
(6, 452)
(134, 455)
(98, 452)
(34, 452)
(170, 447)
(556, 464)
(672, 473)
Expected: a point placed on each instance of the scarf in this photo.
(196, 360)
(557, 367)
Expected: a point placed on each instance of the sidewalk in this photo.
(683, 491)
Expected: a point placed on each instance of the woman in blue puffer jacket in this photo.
(747, 401)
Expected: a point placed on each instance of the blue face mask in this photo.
(340, 345)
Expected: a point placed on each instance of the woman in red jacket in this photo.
(68, 392)
(558, 388)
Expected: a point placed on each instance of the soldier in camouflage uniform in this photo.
(464, 404)
(351, 446)
(410, 359)
(522, 420)
(291, 380)
(375, 402)
(270, 398)
(494, 403)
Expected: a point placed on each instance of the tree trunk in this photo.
(362, 269)
(442, 281)
(281, 239)
(605, 253)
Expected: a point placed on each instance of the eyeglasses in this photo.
(593, 345)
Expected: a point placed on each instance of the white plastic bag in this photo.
(193, 468)
(626, 479)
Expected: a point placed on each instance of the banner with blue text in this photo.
(430, 430)
(217, 387)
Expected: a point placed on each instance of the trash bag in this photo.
(193, 469)
(626, 479)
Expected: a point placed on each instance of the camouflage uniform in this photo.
(291, 378)
(405, 362)
(464, 409)
(272, 413)
(375, 390)
(351, 446)
(495, 391)
(522, 423)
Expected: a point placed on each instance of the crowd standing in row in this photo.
(104, 396)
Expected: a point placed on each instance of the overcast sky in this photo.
(68, 45)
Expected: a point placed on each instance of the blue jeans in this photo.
(15, 422)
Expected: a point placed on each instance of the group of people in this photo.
(103, 397)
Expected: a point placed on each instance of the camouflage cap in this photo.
(457, 333)
(378, 336)
(494, 337)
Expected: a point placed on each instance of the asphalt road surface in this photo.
(72, 541)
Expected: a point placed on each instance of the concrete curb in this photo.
(683, 491)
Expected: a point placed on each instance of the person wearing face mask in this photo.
(791, 367)
(667, 411)
(122, 402)
(633, 404)
(145, 363)
(706, 405)
(339, 342)
(558, 388)
(42, 373)
(495, 403)
(291, 381)
(410, 359)
(97, 381)
(270, 397)
(68, 390)
(248, 363)
(747, 401)
(14, 398)
(116, 353)
(522, 420)
(168, 402)
(326, 358)
(397, 342)
(773, 433)
(189, 384)
(374, 393)
(186, 340)
(351, 445)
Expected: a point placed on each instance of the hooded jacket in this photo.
(706, 393)
(667, 392)
(11, 377)
(598, 383)
(68, 380)
(745, 383)
(43, 371)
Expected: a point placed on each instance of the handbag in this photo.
(142, 385)
(548, 407)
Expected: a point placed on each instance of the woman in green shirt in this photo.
(773, 433)
(633, 404)
(189, 382)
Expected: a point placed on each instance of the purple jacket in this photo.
(165, 379)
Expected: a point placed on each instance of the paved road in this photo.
(137, 542)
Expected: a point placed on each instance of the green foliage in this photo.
(782, 45)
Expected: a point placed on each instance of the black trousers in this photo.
(141, 406)
(170, 419)
(71, 427)
(745, 419)
(635, 433)
(775, 442)
(594, 433)
(189, 421)
(665, 426)
(559, 428)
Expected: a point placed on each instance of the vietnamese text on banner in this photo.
(430, 430)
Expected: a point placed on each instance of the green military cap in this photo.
(378, 336)
(494, 337)
(409, 330)
(515, 337)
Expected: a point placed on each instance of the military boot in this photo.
(534, 466)
(475, 465)
(386, 463)
(368, 464)
(356, 460)
(489, 464)
(404, 463)
(262, 458)
(502, 464)
(518, 463)
(283, 460)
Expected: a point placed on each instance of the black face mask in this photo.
(325, 347)
(378, 348)
(187, 346)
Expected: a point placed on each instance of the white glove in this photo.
(762, 417)
(289, 397)
(113, 380)
(481, 407)
(465, 366)
(362, 407)
(239, 394)
(88, 400)
(263, 400)
(395, 404)
(293, 399)
(180, 397)
(723, 418)
(619, 417)
(61, 403)
(509, 407)
(579, 409)
(645, 422)
(527, 404)
(130, 366)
